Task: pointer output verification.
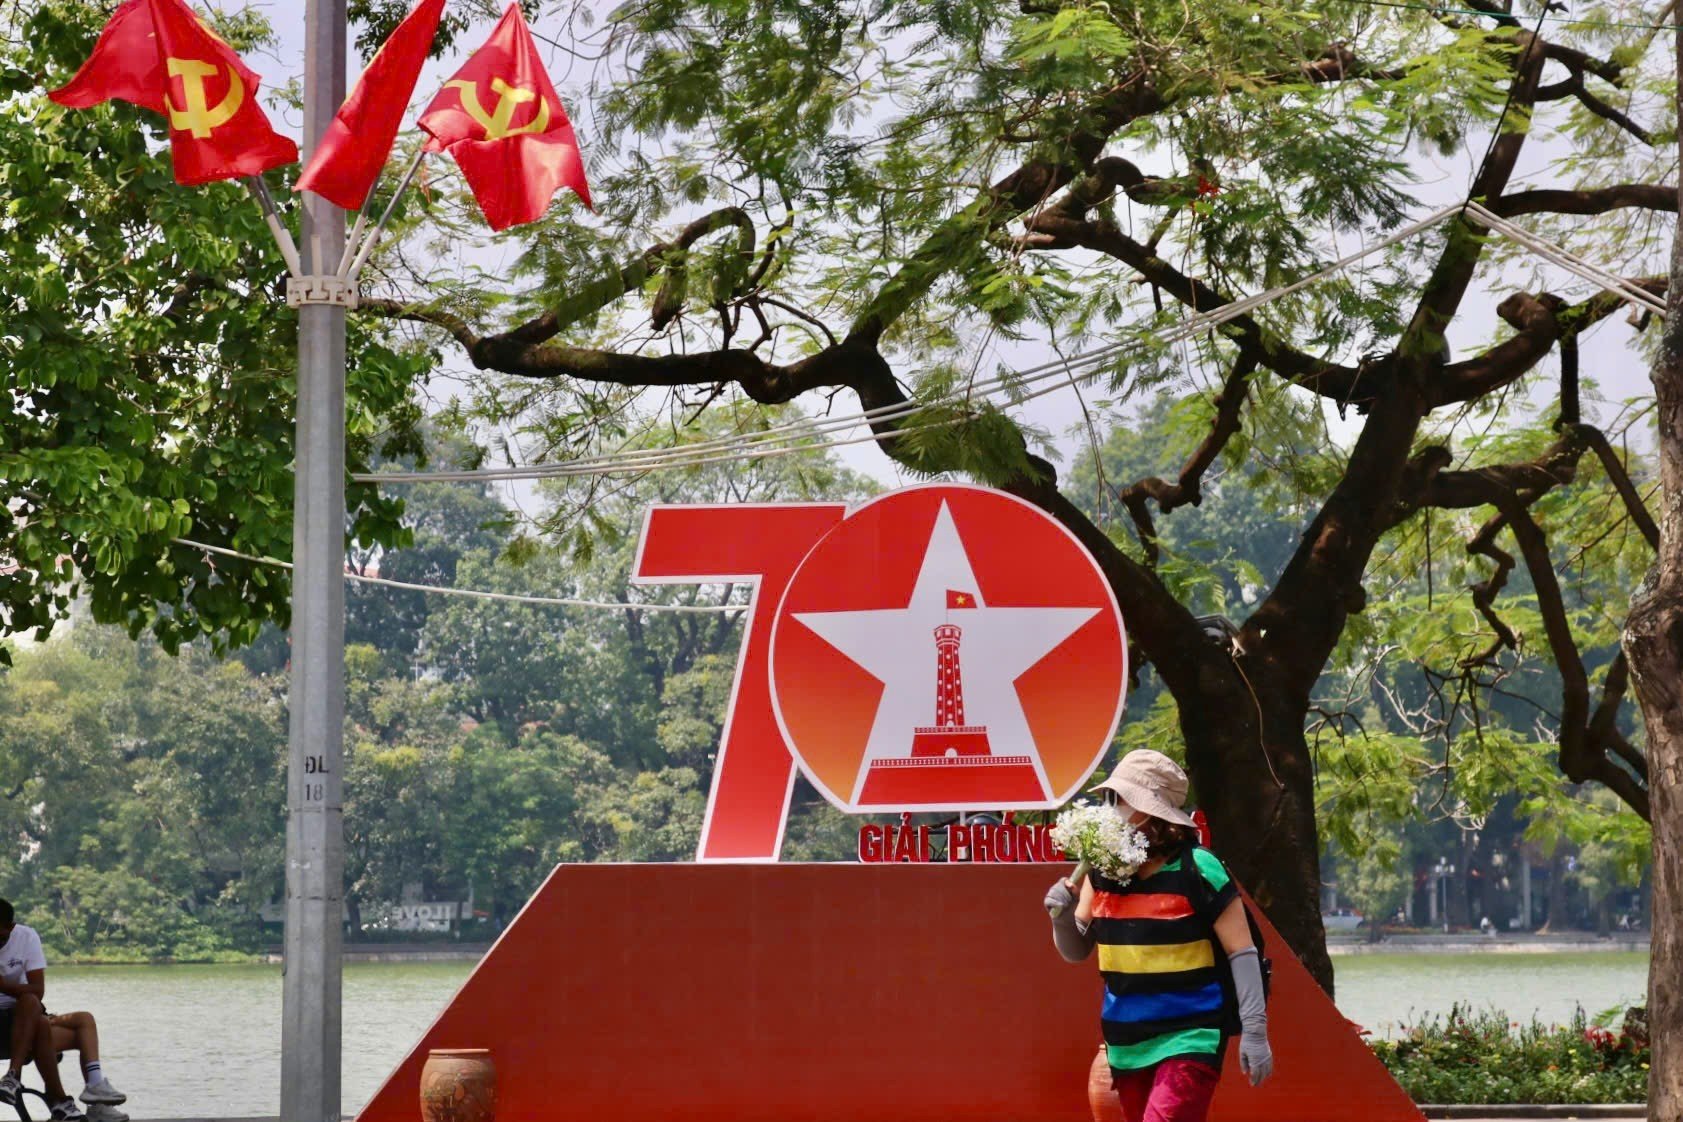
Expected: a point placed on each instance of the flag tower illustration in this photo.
(950, 737)
(962, 751)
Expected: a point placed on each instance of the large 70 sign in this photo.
(938, 648)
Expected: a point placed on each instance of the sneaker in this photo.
(102, 1093)
(66, 1110)
(11, 1087)
(101, 1112)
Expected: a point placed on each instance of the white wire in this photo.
(474, 593)
(794, 436)
(1567, 260)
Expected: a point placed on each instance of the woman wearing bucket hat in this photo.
(1182, 972)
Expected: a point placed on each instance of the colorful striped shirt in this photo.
(1163, 995)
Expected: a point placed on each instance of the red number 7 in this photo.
(761, 546)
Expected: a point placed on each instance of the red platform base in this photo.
(970, 780)
(829, 993)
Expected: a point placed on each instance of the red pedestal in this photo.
(829, 993)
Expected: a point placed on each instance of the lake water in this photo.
(191, 1041)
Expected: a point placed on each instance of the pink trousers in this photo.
(1176, 1090)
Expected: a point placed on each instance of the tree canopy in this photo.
(892, 200)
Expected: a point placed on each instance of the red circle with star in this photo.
(1035, 659)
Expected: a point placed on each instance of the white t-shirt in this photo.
(20, 955)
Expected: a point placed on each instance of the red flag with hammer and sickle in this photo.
(157, 54)
(502, 121)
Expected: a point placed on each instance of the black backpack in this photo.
(1197, 889)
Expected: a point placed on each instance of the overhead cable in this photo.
(477, 594)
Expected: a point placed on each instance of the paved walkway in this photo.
(1584, 1113)
(1600, 1113)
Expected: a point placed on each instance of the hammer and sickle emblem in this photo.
(200, 117)
(496, 125)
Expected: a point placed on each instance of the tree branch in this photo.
(1539, 321)
(765, 382)
(1329, 379)
(1422, 340)
(1511, 488)
(1607, 112)
(631, 276)
(1598, 200)
(1580, 63)
(1339, 63)
(1582, 760)
(1483, 544)
(1187, 488)
(1615, 469)
(1603, 724)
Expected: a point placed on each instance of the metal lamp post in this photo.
(1443, 872)
(315, 848)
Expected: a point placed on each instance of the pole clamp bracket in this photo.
(331, 290)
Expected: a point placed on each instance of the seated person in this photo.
(27, 1031)
(77, 1032)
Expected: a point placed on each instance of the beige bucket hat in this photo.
(1149, 781)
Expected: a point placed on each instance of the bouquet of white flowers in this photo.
(1099, 838)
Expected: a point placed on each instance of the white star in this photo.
(897, 647)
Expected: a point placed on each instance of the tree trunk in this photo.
(1264, 829)
(1653, 644)
(1260, 789)
(1555, 920)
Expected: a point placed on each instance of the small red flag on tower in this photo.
(503, 122)
(959, 600)
(157, 54)
(347, 162)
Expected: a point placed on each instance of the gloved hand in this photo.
(1256, 1059)
(1059, 898)
(1073, 940)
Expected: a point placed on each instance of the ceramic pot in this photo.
(459, 1085)
(1101, 1099)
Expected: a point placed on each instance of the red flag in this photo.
(217, 129)
(346, 164)
(520, 149)
(960, 600)
(157, 54)
(125, 64)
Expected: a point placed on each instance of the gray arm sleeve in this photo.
(1074, 941)
(1247, 983)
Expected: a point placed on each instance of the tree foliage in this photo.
(149, 367)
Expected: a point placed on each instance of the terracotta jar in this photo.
(459, 1085)
(1101, 1099)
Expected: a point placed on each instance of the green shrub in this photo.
(1482, 1057)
